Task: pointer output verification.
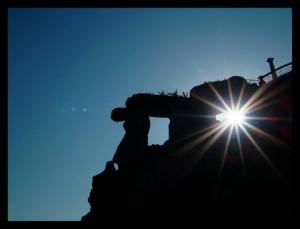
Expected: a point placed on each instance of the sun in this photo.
(232, 117)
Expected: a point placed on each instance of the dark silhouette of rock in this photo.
(181, 179)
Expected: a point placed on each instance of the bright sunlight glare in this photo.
(231, 117)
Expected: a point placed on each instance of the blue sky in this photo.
(68, 68)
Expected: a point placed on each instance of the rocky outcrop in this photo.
(181, 179)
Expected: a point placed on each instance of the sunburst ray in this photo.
(230, 95)
(241, 153)
(267, 135)
(194, 134)
(224, 155)
(209, 103)
(254, 97)
(262, 153)
(241, 96)
(199, 139)
(255, 101)
(215, 91)
(259, 107)
(195, 158)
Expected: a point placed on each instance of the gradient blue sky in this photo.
(68, 68)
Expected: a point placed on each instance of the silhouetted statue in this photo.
(181, 179)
